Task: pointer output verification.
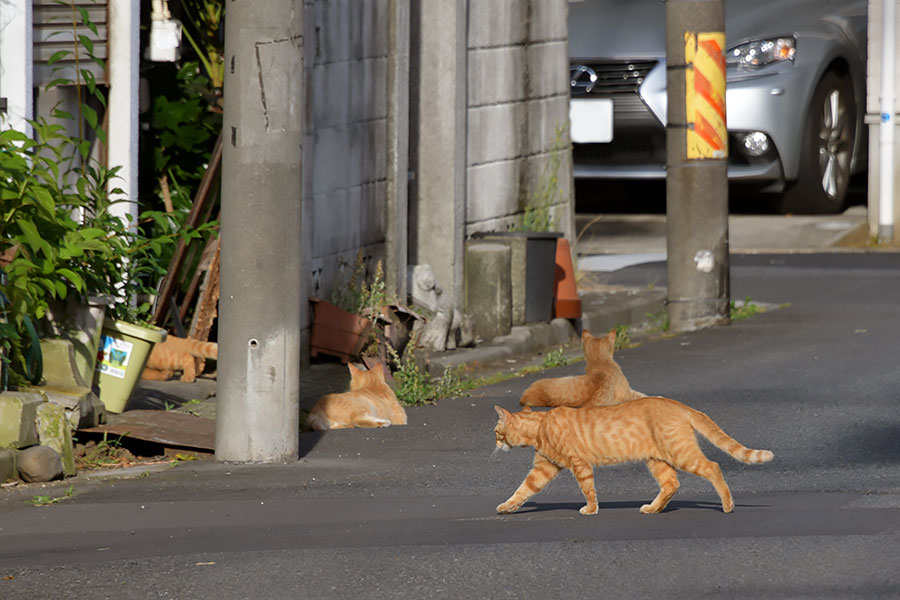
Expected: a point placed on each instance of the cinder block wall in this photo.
(345, 148)
(518, 110)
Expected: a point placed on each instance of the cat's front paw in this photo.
(507, 507)
(588, 509)
(647, 509)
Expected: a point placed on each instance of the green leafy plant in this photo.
(205, 18)
(745, 310)
(47, 500)
(357, 295)
(538, 215)
(416, 387)
(184, 127)
(104, 453)
(658, 322)
(623, 338)
(555, 358)
(56, 217)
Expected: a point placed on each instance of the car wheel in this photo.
(825, 156)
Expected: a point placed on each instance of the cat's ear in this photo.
(353, 370)
(586, 335)
(611, 339)
(502, 413)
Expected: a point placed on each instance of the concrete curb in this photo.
(602, 311)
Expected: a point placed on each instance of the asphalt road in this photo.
(408, 512)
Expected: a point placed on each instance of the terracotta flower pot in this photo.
(335, 331)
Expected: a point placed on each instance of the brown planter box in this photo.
(335, 331)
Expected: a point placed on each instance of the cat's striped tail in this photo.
(711, 431)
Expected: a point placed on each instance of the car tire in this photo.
(826, 154)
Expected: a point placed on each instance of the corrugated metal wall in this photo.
(54, 33)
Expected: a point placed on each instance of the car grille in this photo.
(626, 148)
(616, 79)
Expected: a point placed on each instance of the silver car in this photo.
(795, 95)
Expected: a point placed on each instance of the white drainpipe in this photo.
(16, 59)
(886, 128)
(123, 65)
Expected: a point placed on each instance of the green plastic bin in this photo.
(124, 349)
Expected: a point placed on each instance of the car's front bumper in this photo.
(769, 101)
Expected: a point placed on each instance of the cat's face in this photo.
(504, 432)
(598, 348)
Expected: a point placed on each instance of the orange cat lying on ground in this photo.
(178, 354)
(369, 403)
(602, 384)
(658, 431)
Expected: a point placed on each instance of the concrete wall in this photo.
(873, 103)
(518, 110)
(489, 112)
(345, 169)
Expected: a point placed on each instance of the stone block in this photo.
(8, 468)
(493, 191)
(519, 340)
(548, 66)
(39, 463)
(18, 412)
(497, 23)
(60, 369)
(541, 336)
(79, 404)
(487, 288)
(80, 322)
(54, 432)
(562, 330)
(328, 86)
(496, 133)
(549, 20)
(496, 75)
(547, 131)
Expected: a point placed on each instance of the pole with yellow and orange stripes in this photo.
(696, 165)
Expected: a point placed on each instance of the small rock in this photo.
(39, 463)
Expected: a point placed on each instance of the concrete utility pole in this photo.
(259, 308)
(696, 162)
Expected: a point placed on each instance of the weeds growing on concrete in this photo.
(555, 358)
(416, 387)
(47, 500)
(623, 339)
(107, 452)
(744, 310)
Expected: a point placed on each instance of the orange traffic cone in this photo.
(567, 304)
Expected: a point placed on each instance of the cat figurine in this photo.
(177, 354)
(658, 431)
(369, 403)
(602, 384)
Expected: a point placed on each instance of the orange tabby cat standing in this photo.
(658, 431)
(602, 384)
(178, 354)
(369, 403)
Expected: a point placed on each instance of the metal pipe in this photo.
(886, 128)
(124, 80)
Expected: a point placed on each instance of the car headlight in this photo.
(762, 52)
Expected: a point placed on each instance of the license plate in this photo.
(591, 120)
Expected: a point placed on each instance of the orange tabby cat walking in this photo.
(369, 403)
(602, 384)
(178, 354)
(658, 431)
